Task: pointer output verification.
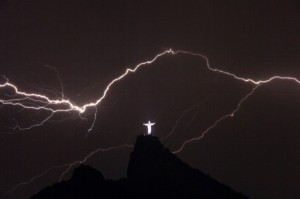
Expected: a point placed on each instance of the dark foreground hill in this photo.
(153, 172)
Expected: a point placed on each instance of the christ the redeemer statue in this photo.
(149, 124)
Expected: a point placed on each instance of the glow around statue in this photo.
(149, 125)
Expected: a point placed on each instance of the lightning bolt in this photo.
(90, 155)
(68, 166)
(39, 102)
(68, 105)
(194, 107)
(229, 115)
(64, 105)
(59, 79)
(35, 178)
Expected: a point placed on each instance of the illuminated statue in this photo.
(149, 124)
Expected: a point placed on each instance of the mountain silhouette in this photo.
(153, 172)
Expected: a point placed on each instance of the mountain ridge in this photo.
(153, 172)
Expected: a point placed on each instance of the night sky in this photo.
(88, 43)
